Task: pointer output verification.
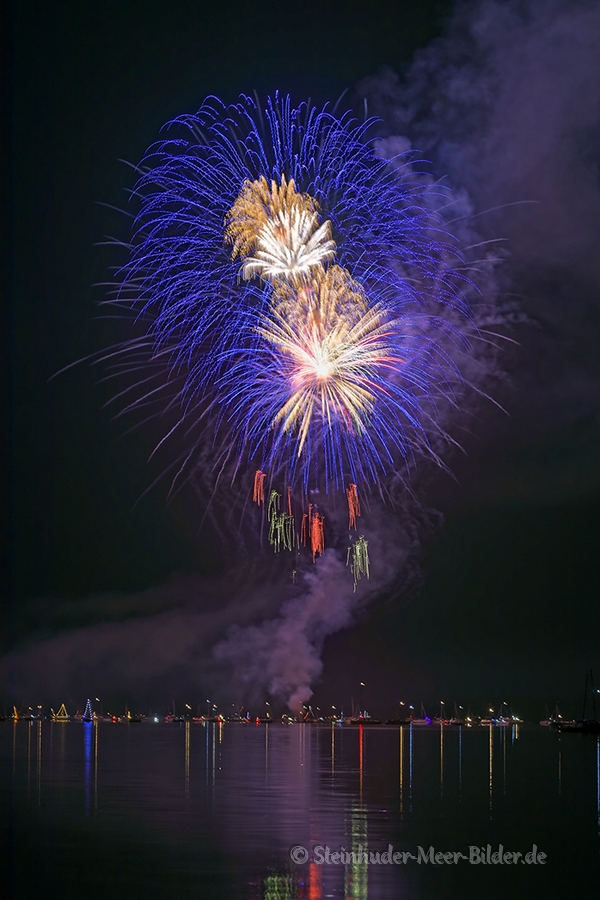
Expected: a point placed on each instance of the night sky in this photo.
(504, 99)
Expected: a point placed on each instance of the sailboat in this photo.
(61, 716)
(456, 719)
(585, 725)
(423, 720)
(552, 719)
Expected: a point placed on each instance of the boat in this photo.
(551, 719)
(584, 725)
(456, 719)
(423, 720)
(504, 718)
(88, 713)
(61, 716)
(442, 719)
(587, 726)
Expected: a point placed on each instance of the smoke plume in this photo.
(507, 106)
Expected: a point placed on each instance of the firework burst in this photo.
(281, 227)
(294, 289)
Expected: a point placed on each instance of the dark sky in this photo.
(509, 598)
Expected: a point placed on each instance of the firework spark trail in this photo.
(281, 226)
(358, 559)
(290, 246)
(312, 532)
(317, 535)
(273, 507)
(258, 492)
(332, 356)
(353, 505)
(305, 527)
(282, 533)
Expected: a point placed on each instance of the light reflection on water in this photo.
(212, 810)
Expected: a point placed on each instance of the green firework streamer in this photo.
(358, 559)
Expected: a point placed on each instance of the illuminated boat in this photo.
(552, 719)
(584, 725)
(61, 716)
(88, 713)
(423, 720)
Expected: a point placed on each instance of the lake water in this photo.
(160, 810)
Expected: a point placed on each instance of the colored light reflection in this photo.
(356, 877)
(88, 728)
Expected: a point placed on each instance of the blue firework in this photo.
(212, 322)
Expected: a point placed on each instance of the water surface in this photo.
(161, 810)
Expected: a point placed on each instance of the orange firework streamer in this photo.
(258, 495)
(306, 527)
(317, 535)
(289, 501)
(311, 531)
(353, 505)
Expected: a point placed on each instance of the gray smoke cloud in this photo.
(250, 634)
(281, 657)
(507, 104)
(148, 646)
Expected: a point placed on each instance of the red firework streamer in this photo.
(311, 531)
(258, 495)
(289, 501)
(353, 505)
(306, 527)
(317, 535)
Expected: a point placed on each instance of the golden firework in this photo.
(276, 231)
(329, 295)
(333, 347)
